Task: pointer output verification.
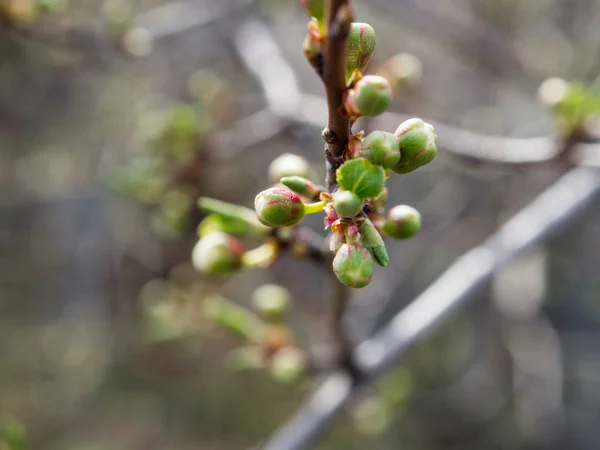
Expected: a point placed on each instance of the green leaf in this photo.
(361, 177)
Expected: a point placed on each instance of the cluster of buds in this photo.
(269, 342)
(356, 213)
(355, 210)
(22, 12)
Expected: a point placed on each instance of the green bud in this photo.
(288, 165)
(314, 8)
(279, 207)
(371, 96)
(347, 203)
(288, 365)
(418, 145)
(302, 186)
(381, 148)
(234, 318)
(353, 265)
(361, 43)
(271, 301)
(217, 253)
(372, 240)
(402, 222)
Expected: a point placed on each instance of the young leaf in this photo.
(361, 177)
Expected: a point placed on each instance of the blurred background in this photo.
(116, 116)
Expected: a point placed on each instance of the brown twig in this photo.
(337, 133)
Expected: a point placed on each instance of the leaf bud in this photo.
(371, 96)
(217, 253)
(402, 222)
(353, 265)
(279, 207)
(271, 301)
(372, 240)
(347, 203)
(418, 145)
(360, 43)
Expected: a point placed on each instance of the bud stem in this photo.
(313, 208)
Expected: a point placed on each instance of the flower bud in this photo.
(381, 148)
(353, 265)
(288, 165)
(314, 8)
(288, 365)
(418, 145)
(402, 222)
(361, 43)
(371, 96)
(302, 186)
(217, 253)
(271, 301)
(278, 207)
(372, 240)
(347, 204)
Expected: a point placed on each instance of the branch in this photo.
(337, 133)
(556, 206)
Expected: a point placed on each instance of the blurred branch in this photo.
(557, 205)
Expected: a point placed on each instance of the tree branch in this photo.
(337, 133)
(557, 205)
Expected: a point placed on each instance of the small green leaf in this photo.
(361, 177)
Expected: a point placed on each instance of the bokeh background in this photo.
(115, 116)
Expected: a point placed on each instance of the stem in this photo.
(313, 208)
(338, 132)
(336, 136)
